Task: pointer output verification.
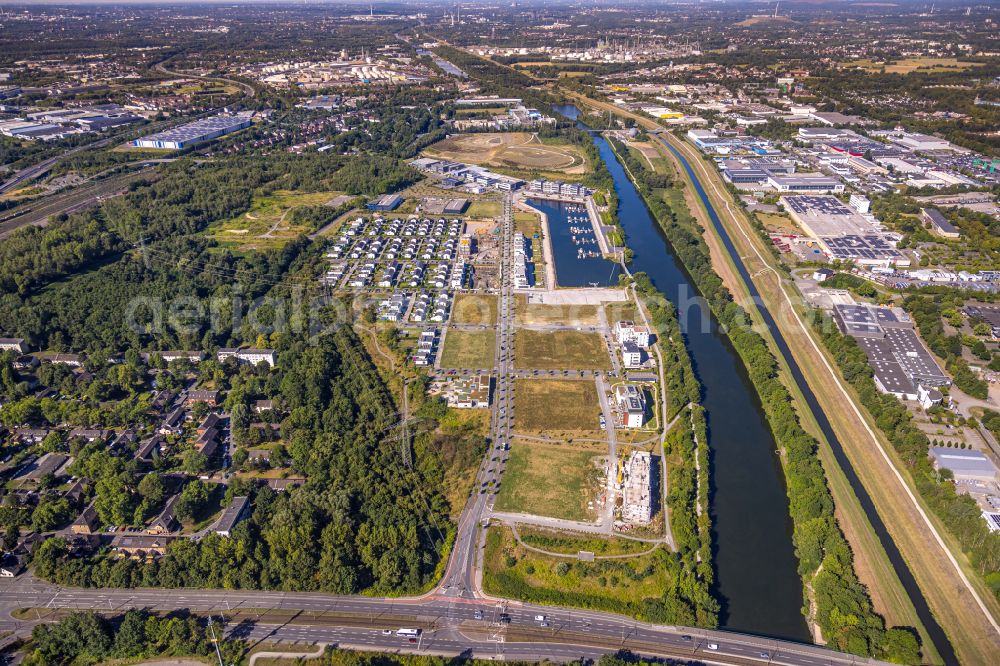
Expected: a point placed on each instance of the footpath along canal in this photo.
(756, 580)
(923, 611)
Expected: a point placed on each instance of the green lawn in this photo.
(612, 585)
(561, 542)
(483, 208)
(270, 220)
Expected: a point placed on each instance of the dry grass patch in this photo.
(560, 350)
(468, 349)
(534, 314)
(476, 309)
(555, 480)
(547, 405)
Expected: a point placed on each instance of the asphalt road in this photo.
(35, 170)
(451, 624)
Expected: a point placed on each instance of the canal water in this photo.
(578, 259)
(934, 630)
(756, 579)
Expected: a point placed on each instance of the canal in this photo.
(756, 580)
(578, 260)
(934, 630)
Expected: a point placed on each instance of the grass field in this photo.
(518, 150)
(571, 544)
(510, 570)
(468, 349)
(555, 404)
(531, 314)
(480, 309)
(483, 208)
(555, 480)
(918, 64)
(267, 222)
(527, 223)
(559, 350)
(452, 437)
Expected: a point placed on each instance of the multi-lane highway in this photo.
(460, 576)
(450, 625)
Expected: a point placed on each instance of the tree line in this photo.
(844, 611)
(84, 638)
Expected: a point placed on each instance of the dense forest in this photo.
(844, 610)
(89, 638)
(361, 522)
(100, 264)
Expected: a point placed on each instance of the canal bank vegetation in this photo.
(842, 608)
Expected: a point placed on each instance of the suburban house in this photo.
(13, 344)
(87, 522)
(209, 397)
(141, 546)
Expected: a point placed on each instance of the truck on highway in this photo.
(407, 633)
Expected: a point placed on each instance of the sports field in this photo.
(560, 350)
(518, 150)
(555, 405)
(468, 349)
(554, 480)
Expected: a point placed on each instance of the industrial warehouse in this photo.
(842, 233)
(901, 364)
(206, 129)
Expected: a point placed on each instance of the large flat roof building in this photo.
(842, 232)
(965, 464)
(199, 131)
(940, 224)
(900, 363)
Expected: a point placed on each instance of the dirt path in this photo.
(623, 556)
(321, 648)
(962, 605)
